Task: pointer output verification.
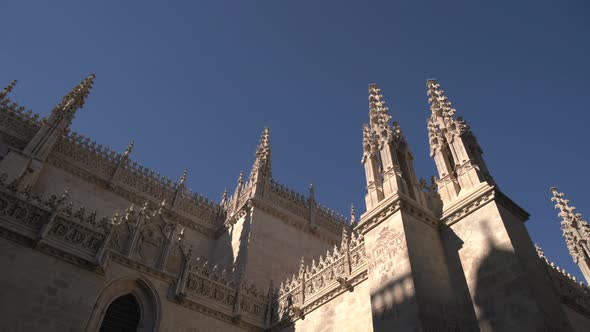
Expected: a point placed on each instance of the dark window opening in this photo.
(122, 315)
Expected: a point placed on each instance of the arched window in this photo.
(126, 304)
(122, 315)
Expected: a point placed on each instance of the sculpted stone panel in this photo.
(150, 243)
(76, 235)
(382, 254)
(26, 214)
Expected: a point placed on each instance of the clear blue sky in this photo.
(195, 82)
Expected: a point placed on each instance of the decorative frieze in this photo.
(80, 237)
(478, 198)
(317, 283)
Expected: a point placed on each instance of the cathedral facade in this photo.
(92, 241)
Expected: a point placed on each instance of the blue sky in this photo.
(195, 82)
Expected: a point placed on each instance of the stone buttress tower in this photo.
(408, 276)
(498, 281)
(26, 166)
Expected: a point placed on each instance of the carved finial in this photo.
(443, 115)
(376, 102)
(162, 206)
(143, 210)
(311, 192)
(241, 178)
(262, 164)
(181, 235)
(379, 115)
(75, 99)
(183, 177)
(7, 89)
(369, 143)
(352, 215)
(224, 197)
(575, 229)
(301, 265)
(128, 149)
(116, 219)
(264, 140)
(129, 212)
(397, 135)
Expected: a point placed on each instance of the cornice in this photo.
(477, 198)
(391, 205)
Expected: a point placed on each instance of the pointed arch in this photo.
(142, 291)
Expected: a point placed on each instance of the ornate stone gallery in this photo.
(92, 241)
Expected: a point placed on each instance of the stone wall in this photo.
(500, 290)
(275, 248)
(43, 293)
(94, 197)
(83, 193)
(349, 312)
(579, 321)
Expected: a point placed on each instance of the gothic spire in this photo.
(262, 165)
(575, 229)
(352, 215)
(263, 148)
(442, 112)
(379, 116)
(75, 99)
(453, 147)
(386, 156)
(7, 90)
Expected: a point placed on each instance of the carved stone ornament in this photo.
(575, 229)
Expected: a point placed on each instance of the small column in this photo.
(122, 162)
(140, 220)
(168, 241)
(370, 162)
(102, 256)
(179, 190)
(180, 289)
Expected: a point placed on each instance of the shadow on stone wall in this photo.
(501, 296)
(221, 252)
(466, 317)
(501, 292)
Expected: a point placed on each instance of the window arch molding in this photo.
(143, 291)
